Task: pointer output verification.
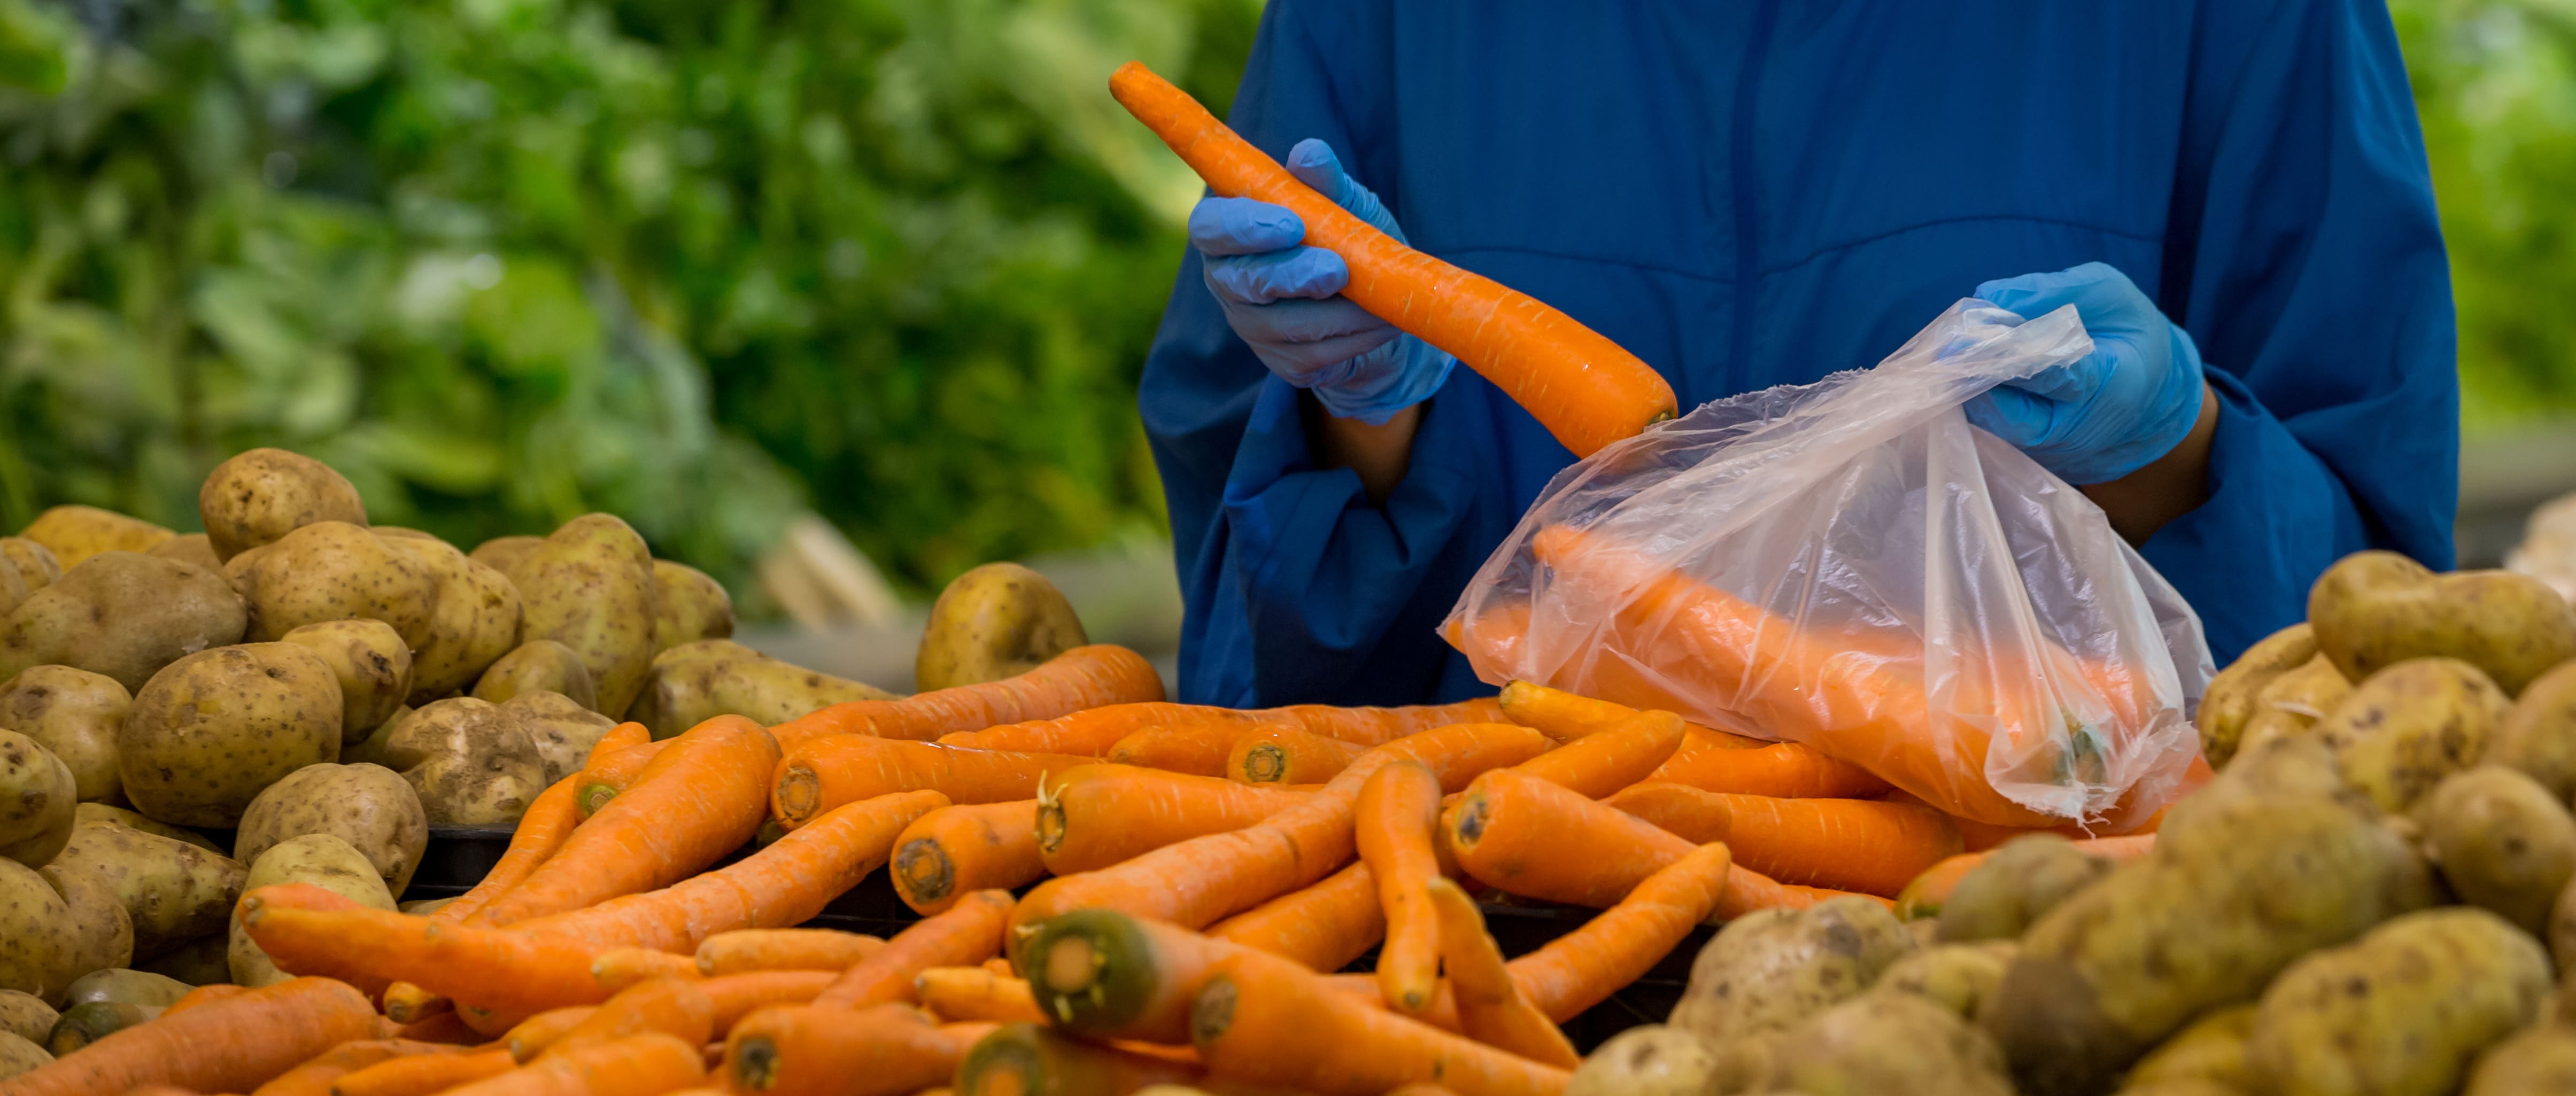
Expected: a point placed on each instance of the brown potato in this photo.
(2501, 842)
(316, 858)
(2404, 1010)
(38, 944)
(13, 589)
(539, 665)
(369, 807)
(503, 553)
(563, 731)
(75, 533)
(1773, 968)
(36, 563)
(477, 620)
(1958, 977)
(687, 606)
(2292, 703)
(37, 798)
(1646, 1061)
(2211, 1049)
(215, 728)
(2406, 727)
(103, 933)
(20, 1055)
(2538, 736)
(102, 814)
(472, 763)
(175, 892)
(122, 614)
(1888, 1043)
(25, 1015)
(371, 663)
(371, 750)
(76, 715)
(2540, 1060)
(191, 549)
(2373, 610)
(2021, 880)
(260, 495)
(332, 570)
(590, 587)
(993, 622)
(694, 682)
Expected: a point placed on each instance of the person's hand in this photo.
(1285, 298)
(2113, 411)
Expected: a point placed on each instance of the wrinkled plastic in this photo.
(1851, 565)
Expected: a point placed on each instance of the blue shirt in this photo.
(1763, 193)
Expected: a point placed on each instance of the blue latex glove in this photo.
(1285, 298)
(2113, 411)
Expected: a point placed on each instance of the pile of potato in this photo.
(2376, 894)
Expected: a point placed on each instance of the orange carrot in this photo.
(1929, 891)
(666, 1005)
(957, 850)
(1599, 764)
(1442, 1014)
(618, 968)
(782, 885)
(619, 737)
(700, 798)
(1583, 968)
(841, 769)
(549, 818)
(1029, 1060)
(738, 995)
(423, 1074)
(1584, 388)
(1784, 770)
(744, 951)
(1566, 716)
(1397, 811)
(1093, 732)
(1490, 1007)
(1197, 749)
(1260, 1018)
(828, 1050)
(314, 1076)
(444, 1026)
(229, 1045)
(202, 995)
(305, 929)
(1108, 975)
(1287, 755)
(1084, 677)
(1847, 844)
(530, 1037)
(966, 934)
(609, 772)
(1323, 927)
(649, 1064)
(973, 993)
(1379, 726)
(1092, 816)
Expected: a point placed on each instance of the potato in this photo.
(1958, 977)
(38, 943)
(2402, 1011)
(332, 570)
(133, 987)
(694, 682)
(25, 1015)
(75, 714)
(102, 932)
(37, 566)
(2229, 700)
(1888, 1042)
(2501, 842)
(590, 587)
(198, 962)
(37, 798)
(1771, 969)
(2409, 726)
(370, 662)
(317, 858)
(212, 730)
(472, 763)
(992, 622)
(121, 614)
(1646, 1061)
(13, 588)
(477, 620)
(2211, 1049)
(1744, 1063)
(371, 751)
(101, 814)
(191, 549)
(563, 731)
(2373, 610)
(369, 807)
(91, 1021)
(75, 533)
(2538, 735)
(174, 891)
(19, 1054)
(2292, 703)
(503, 553)
(260, 495)
(539, 665)
(2022, 879)
(2541, 1060)
(687, 606)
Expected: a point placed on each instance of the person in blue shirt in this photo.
(2233, 193)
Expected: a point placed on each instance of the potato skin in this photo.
(475, 623)
(75, 714)
(1652, 1060)
(2292, 703)
(563, 731)
(1773, 968)
(317, 858)
(590, 587)
(102, 932)
(101, 814)
(2375, 609)
(503, 553)
(155, 611)
(2022, 879)
(2229, 701)
(21, 1055)
(688, 606)
(2402, 1011)
(37, 565)
(13, 588)
(2540, 1060)
(37, 798)
(1958, 977)
(370, 808)
(2410, 725)
(2211, 1049)
(189, 548)
(2538, 736)
(174, 891)
(471, 763)
(26, 1015)
(993, 622)
(217, 727)
(260, 495)
(539, 665)
(332, 570)
(1885, 1043)
(371, 663)
(37, 943)
(694, 682)
(2501, 842)
(75, 533)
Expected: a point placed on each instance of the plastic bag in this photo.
(1849, 564)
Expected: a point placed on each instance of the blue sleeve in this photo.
(2304, 258)
(1291, 581)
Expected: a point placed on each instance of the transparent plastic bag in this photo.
(1849, 564)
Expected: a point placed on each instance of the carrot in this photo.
(314, 1075)
(618, 968)
(666, 1005)
(1784, 770)
(1109, 975)
(230, 1045)
(1092, 816)
(541, 830)
(743, 951)
(967, 933)
(1029, 1060)
(1442, 1014)
(1094, 731)
(973, 993)
(1084, 677)
(1566, 716)
(530, 1037)
(305, 929)
(423, 1074)
(825, 1050)
(1490, 1007)
(1583, 968)
(1599, 764)
(202, 995)
(1420, 1088)
(1262, 1018)
(444, 1026)
(609, 772)
(738, 995)
(1397, 811)
(1195, 882)
(1323, 927)
(1379, 726)
(1197, 749)
(649, 1064)
(957, 850)
(1584, 388)
(842, 769)
(1846, 844)
(697, 800)
(785, 884)
(1287, 755)
(1927, 892)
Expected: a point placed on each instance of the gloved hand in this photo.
(2113, 411)
(1284, 298)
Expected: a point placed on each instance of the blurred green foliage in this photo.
(506, 261)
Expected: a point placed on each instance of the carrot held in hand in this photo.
(968, 933)
(744, 951)
(843, 769)
(957, 850)
(1260, 1018)
(1085, 677)
(1583, 968)
(649, 1064)
(1092, 816)
(230, 1045)
(825, 1050)
(1324, 927)
(1599, 764)
(973, 993)
(1093, 731)
(1287, 755)
(1490, 1008)
(1847, 844)
(1397, 811)
(1585, 389)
